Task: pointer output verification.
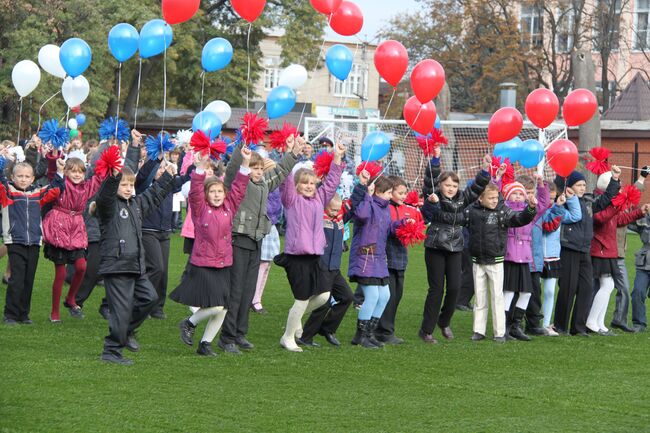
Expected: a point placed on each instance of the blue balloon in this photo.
(123, 41)
(280, 101)
(75, 56)
(339, 61)
(81, 119)
(510, 149)
(155, 37)
(532, 153)
(375, 146)
(437, 125)
(217, 54)
(208, 122)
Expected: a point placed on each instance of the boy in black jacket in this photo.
(131, 297)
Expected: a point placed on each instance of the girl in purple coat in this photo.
(519, 251)
(304, 203)
(207, 284)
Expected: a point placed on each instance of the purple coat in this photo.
(274, 207)
(519, 247)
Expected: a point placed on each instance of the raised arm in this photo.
(602, 202)
(328, 188)
(276, 176)
(238, 188)
(107, 197)
(573, 212)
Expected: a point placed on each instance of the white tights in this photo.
(294, 319)
(596, 319)
(215, 317)
(522, 301)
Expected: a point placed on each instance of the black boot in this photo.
(372, 326)
(205, 349)
(515, 328)
(361, 337)
(509, 325)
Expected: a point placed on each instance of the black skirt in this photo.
(203, 287)
(188, 244)
(370, 281)
(62, 257)
(303, 273)
(517, 277)
(551, 269)
(605, 267)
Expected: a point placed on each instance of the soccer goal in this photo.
(467, 144)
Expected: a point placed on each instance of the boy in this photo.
(131, 297)
(642, 278)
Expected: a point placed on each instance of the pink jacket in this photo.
(213, 225)
(519, 248)
(304, 216)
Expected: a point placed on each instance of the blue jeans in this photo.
(640, 292)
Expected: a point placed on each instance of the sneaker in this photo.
(606, 333)
(550, 331)
(244, 344)
(639, 328)
(9, 322)
(115, 359)
(132, 344)
(187, 331)
(205, 349)
(478, 337)
(26, 321)
(499, 340)
(229, 348)
(464, 308)
(105, 312)
(74, 310)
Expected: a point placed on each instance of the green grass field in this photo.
(51, 379)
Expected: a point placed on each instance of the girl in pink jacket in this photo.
(304, 204)
(207, 283)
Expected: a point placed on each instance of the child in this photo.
(21, 229)
(304, 204)
(131, 297)
(208, 277)
(488, 221)
(270, 249)
(250, 226)
(642, 277)
(64, 231)
(444, 245)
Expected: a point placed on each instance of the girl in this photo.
(64, 230)
(304, 204)
(270, 249)
(207, 284)
(444, 244)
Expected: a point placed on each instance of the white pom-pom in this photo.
(184, 136)
(18, 153)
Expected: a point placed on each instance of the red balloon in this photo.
(326, 7)
(504, 125)
(420, 117)
(562, 156)
(249, 10)
(579, 107)
(347, 20)
(178, 11)
(391, 61)
(542, 107)
(427, 79)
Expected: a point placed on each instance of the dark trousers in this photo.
(327, 318)
(131, 298)
(575, 293)
(386, 324)
(441, 266)
(156, 256)
(243, 280)
(533, 312)
(93, 257)
(466, 291)
(23, 261)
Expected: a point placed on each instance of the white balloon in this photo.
(72, 124)
(25, 76)
(48, 58)
(221, 109)
(75, 90)
(293, 76)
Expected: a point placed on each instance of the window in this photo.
(356, 83)
(271, 72)
(607, 25)
(531, 26)
(641, 34)
(565, 24)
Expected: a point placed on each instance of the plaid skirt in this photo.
(270, 245)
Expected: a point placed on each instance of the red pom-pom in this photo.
(628, 196)
(430, 142)
(217, 148)
(508, 176)
(412, 198)
(253, 128)
(322, 163)
(278, 138)
(201, 143)
(371, 167)
(110, 159)
(411, 233)
(600, 164)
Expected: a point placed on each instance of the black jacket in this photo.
(120, 223)
(577, 236)
(488, 230)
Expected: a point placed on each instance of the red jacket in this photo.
(606, 222)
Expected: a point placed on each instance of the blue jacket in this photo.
(331, 258)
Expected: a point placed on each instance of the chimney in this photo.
(508, 95)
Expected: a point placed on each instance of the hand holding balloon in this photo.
(339, 152)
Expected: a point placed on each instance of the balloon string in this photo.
(320, 53)
(137, 96)
(389, 102)
(162, 129)
(248, 71)
(261, 108)
(202, 88)
(20, 120)
(119, 88)
(344, 99)
(67, 116)
(41, 109)
(415, 182)
(383, 170)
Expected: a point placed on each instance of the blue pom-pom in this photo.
(3, 163)
(107, 129)
(238, 136)
(160, 143)
(52, 134)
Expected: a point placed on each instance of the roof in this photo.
(633, 103)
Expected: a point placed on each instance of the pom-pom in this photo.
(322, 163)
(278, 138)
(412, 198)
(508, 176)
(201, 143)
(107, 129)
(253, 128)
(3, 163)
(50, 133)
(110, 159)
(600, 164)
(430, 142)
(18, 153)
(217, 149)
(411, 233)
(158, 145)
(371, 167)
(184, 136)
(628, 196)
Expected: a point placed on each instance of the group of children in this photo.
(115, 224)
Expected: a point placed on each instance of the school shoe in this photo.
(331, 339)
(308, 343)
(427, 338)
(622, 326)
(289, 345)
(361, 337)
(55, 321)
(205, 349)
(26, 321)
(9, 322)
(105, 312)
(581, 334)
(389, 339)
(74, 310)
(606, 333)
(500, 340)
(550, 331)
(187, 331)
(259, 310)
(115, 359)
(446, 332)
(229, 348)
(132, 344)
(639, 328)
(478, 337)
(464, 308)
(244, 344)
(372, 336)
(537, 331)
(158, 314)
